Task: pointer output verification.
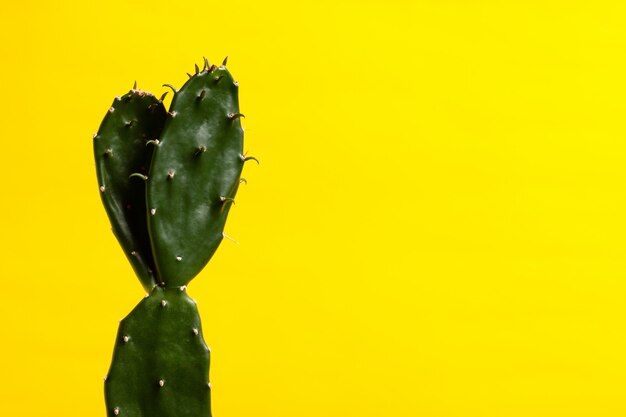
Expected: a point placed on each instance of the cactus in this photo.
(122, 148)
(168, 180)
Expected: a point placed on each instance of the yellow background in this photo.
(436, 227)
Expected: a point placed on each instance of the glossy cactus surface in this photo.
(194, 175)
(160, 364)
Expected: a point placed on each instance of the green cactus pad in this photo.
(194, 175)
(121, 149)
(160, 364)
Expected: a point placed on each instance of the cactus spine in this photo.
(168, 180)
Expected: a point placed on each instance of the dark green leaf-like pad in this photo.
(160, 364)
(194, 175)
(120, 150)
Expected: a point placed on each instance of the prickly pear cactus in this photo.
(168, 180)
(122, 147)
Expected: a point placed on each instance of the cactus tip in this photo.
(229, 238)
(225, 199)
(224, 62)
(138, 175)
(245, 158)
(172, 87)
(233, 116)
(200, 150)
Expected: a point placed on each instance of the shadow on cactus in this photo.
(168, 180)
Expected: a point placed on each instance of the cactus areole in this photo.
(167, 179)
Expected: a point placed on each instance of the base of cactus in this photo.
(160, 364)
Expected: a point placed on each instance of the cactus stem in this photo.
(170, 174)
(224, 62)
(154, 142)
(197, 69)
(138, 175)
(201, 95)
(229, 238)
(102, 188)
(172, 87)
(225, 199)
(163, 96)
(233, 116)
(206, 63)
(153, 211)
(112, 109)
